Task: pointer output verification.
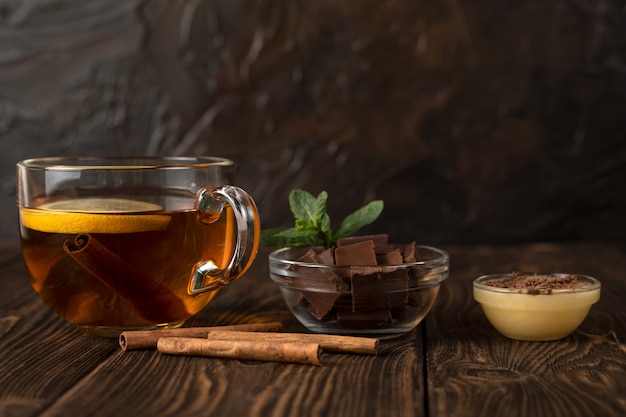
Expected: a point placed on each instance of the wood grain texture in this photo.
(50, 369)
(453, 364)
(202, 386)
(473, 370)
(41, 358)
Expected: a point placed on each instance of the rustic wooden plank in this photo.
(41, 356)
(147, 383)
(52, 370)
(473, 370)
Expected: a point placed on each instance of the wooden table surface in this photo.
(453, 364)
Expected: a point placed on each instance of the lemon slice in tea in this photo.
(94, 215)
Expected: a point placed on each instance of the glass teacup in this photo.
(115, 244)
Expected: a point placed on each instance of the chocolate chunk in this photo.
(327, 284)
(379, 240)
(410, 253)
(391, 257)
(361, 253)
(320, 303)
(322, 279)
(326, 257)
(309, 257)
(366, 294)
(396, 284)
(374, 291)
(370, 293)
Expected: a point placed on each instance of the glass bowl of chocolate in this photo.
(363, 286)
(536, 306)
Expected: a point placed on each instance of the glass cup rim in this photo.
(82, 163)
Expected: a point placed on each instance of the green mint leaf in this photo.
(304, 225)
(324, 224)
(268, 236)
(302, 205)
(326, 232)
(360, 218)
(295, 238)
(319, 209)
(312, 223)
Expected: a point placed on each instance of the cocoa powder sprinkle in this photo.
(537, 283)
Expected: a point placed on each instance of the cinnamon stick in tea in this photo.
(140, 290)
(334, 343)
(260, 350)
(147, 339)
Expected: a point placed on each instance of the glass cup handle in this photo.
(210, 202)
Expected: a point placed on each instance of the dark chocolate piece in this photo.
(366, 294)
(396, 284)
(374, 291)
(371, 294)
(327, 284)
(320, 303)
(326, 257)
(322, 279)
(361, 253)
(309, 257)
(410, 253)
(378, 240)
(391, 257)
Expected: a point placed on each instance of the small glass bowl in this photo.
(536, 314)
(383, 301)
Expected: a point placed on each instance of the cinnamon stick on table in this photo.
(261, 350)
(334, 343)
(147, 339)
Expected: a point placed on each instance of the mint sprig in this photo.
(312, 222)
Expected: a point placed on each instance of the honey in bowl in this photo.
(536, 307)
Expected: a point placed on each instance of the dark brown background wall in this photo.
(476, 121)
